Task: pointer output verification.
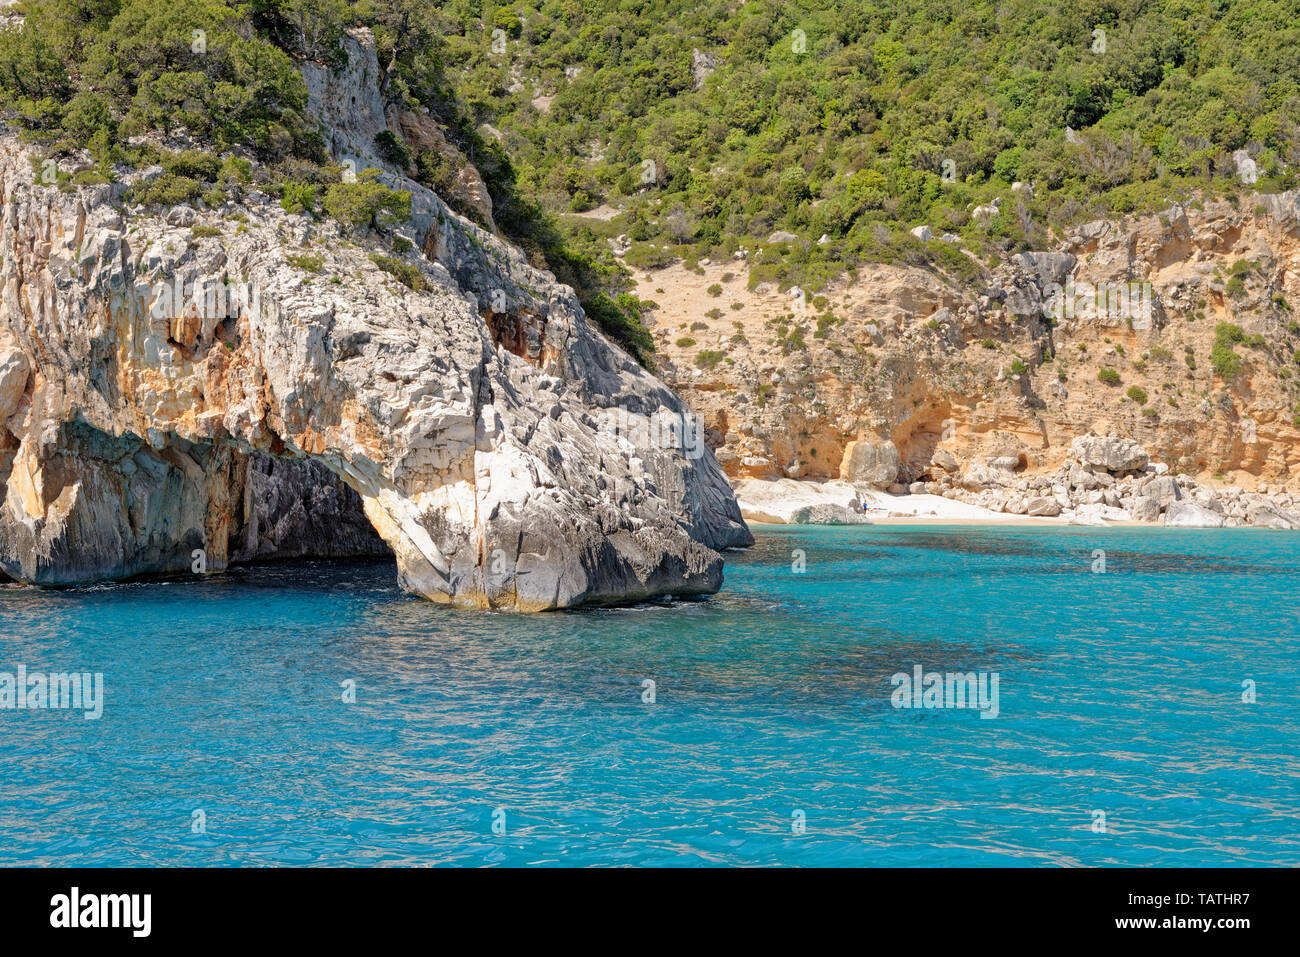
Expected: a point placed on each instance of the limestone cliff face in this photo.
(879, 374)
(165, 389)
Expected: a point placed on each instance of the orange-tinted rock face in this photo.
(1012, 362)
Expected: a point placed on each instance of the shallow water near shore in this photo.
(1119, 692)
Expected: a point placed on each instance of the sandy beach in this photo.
(793, 502)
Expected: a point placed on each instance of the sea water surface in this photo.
(1122, 736)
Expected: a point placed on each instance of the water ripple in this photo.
(771, 739)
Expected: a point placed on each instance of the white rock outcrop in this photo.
(790, 502)
(1191, 515)
(871, 462)
(1110, 452)
(506, 452)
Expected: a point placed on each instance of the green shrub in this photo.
(619, 317)
(305, 261)
(791, 340)
(824, 325)
(685, 342)
(193, 164)
(166, 189)
(367, 203)
(1108, 377)
(507, 20)
(708, 358)
(235, 171)
(405, 273)
(298, 198)
(89, 177)
(388, 146)
(1137, 394)
(1223, 358)
(648, 256)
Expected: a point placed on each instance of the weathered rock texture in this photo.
(300, 509)
(489, 433)
(352, 108)
(968, 364)
(1104, 480)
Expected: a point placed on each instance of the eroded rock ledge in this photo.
(139, 422)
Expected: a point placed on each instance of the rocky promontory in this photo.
(240, 382)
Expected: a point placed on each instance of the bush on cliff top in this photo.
(91, 74)
(95, 74)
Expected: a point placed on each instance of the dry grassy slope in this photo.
(937, 370)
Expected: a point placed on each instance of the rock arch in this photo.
(497, 480)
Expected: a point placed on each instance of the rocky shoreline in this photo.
(1105, 480)
(185, 388)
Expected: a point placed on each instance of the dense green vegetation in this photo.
(710, 124)
(140, 82)
(858, 119)
(1223, 357)
(93, 73)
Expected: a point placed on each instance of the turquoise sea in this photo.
(1120, 693)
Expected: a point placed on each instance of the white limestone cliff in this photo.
(490, 432)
